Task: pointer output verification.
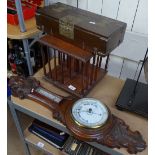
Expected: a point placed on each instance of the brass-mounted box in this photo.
(81, 28)
(66, 27)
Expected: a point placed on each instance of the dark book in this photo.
(50, 134)
(77, 147)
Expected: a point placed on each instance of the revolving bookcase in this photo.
(75, 70)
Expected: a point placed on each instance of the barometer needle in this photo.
(87, 112)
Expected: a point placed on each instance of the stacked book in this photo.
(48, 133)
(68, 144)
(77, 147)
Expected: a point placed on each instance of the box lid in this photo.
(86, 20)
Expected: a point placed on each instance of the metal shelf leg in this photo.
(27, 54)
(20, 15)
(46, 2)
(23, 29)
(20, 131)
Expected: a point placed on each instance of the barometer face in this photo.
(90, 113)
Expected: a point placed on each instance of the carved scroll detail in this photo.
(121, 136)
(58, 116)
(21, 86)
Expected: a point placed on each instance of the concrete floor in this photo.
(14, 145)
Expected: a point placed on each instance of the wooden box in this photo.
(81, 28)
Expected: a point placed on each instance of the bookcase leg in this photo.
(27, 54)
(55, 65)
(67, 61)
(100, 62)
(70, 70)
(64, 57)
(92, 70)
(43, 59)
(106, 64)
(86, 74)
(19, 128)
(59, 58)
(96, 68)
(76, 65)
(49, 65)
(82, 78)
(62, 69)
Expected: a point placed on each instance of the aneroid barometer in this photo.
(87, 119)
(89, 113)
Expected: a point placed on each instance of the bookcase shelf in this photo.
(39, 143)
(25, 30)
(13, 31)
(66, 48)
(107, 91)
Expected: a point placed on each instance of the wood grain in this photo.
(13, 31)
(115, 133)
(66, 48)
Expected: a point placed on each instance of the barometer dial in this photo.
(90, 113)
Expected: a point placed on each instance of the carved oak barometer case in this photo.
(87, 119)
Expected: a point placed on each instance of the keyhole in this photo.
(90, 110)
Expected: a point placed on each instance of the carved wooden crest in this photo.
(21, 86)
(115, 133)
(121, 136)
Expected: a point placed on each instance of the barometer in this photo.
(87, 119)
(89, 113)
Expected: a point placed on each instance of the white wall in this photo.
(133, 48)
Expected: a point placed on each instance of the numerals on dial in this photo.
(89, 112)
